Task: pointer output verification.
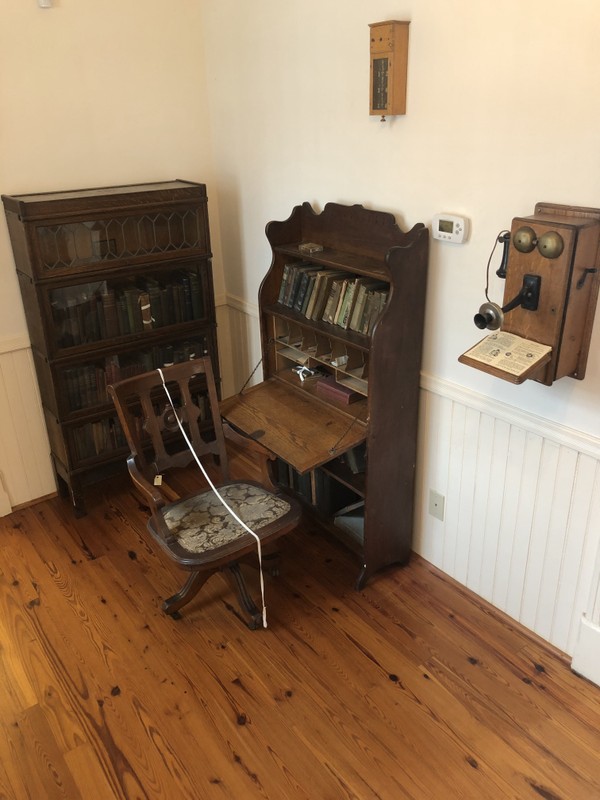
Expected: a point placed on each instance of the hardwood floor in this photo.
(412, 688)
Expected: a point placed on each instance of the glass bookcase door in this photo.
(84, 384)
(72, 245)
(85, 313)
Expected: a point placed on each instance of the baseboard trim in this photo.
(586, 658)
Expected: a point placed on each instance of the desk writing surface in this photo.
(298, 428)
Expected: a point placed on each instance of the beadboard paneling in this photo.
(25, 465)
(240, 346)
(522, 521)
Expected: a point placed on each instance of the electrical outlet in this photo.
(436, 504)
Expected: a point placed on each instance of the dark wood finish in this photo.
(582, 295)
(300, 429)
(88, 262)
(413, 689)
(152, 414)
(307, 431)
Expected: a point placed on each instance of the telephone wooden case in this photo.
(557, 247)
(568, 289)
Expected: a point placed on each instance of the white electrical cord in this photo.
(229, 509)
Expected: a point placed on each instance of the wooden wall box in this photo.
(321, 443)
(114, 281)
(388, 67)
(568, 293)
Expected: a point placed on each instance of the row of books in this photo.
(93, 312)
(333, 296)
(86, 384)
(96, 438)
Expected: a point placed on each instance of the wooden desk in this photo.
(293, 425)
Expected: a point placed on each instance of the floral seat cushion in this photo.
(202, 523)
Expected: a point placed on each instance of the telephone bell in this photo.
(525, 239)
(549, 244)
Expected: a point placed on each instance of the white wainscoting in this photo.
(522, 515)
(25, 468)
(239, 345)
(586, 656)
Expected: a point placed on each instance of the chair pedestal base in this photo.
(187, 592)
(253, 617)
(251, 614)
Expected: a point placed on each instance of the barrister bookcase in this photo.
(115, 281)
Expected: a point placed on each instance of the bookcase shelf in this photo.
(337, 259)
(345, 436)
(115, 281)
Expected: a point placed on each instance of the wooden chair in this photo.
(197, 532)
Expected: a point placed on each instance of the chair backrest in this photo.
(150, 426)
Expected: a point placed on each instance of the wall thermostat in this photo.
(450, 228)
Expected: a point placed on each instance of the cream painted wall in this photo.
(503, 111)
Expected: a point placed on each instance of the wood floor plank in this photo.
(86, 771)
(412, 689)
(40, 759)
(408, 697)
(12, 774)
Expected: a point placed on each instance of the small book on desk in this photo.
(332, 390)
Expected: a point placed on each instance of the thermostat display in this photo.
(450, 228)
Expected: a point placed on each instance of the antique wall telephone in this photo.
(550, 265)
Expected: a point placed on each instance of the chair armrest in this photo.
(262, 456)
(151, 493)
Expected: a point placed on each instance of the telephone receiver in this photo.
(491, 316)
(550, 245)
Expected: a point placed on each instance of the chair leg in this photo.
(271, 559)
(234, 577)
(187, 592)
(272, 562)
